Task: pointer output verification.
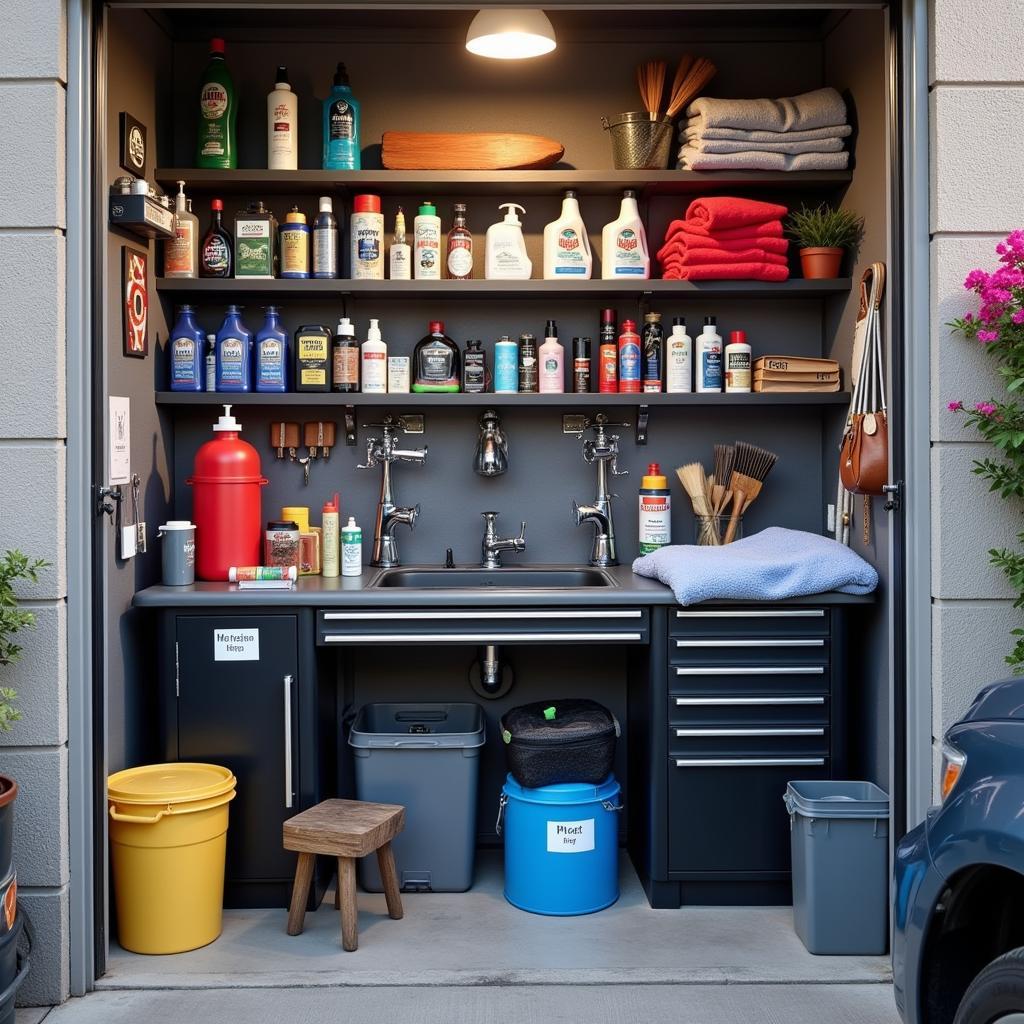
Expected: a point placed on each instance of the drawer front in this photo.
(748, 712)
(766, 621)
(727, 814)
(747, 650)
(756, 741)
(772, 680)
(482, 626)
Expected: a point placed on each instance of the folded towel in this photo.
(697, 128)
(817, 109)
(718, 213)
(686, 256)
(766, 243)
(703, 145)
(766, 229)
(728, 272)
(691, 160)
(767, 566)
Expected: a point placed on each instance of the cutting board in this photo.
(468, 151)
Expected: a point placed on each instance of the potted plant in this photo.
(823, 235)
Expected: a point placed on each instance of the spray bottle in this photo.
(655, 510)
(351, 549)
(332, 563)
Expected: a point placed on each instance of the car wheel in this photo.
(996, 996)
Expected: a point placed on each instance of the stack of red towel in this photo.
(726, 239)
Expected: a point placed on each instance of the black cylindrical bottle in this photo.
(581, 365)
(529, 382)
(474, 368)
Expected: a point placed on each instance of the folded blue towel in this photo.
(767, 566)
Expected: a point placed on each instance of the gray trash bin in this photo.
(840, 844)
(425, 757)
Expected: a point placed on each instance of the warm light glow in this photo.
(512, 34)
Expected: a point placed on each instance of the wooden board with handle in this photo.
(468, 151)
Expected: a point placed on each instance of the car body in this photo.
(959, 875)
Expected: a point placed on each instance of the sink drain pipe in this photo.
(490, 675)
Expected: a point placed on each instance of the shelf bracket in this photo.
(642, 414)
(350, 425)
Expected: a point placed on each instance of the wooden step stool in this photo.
(345, 829)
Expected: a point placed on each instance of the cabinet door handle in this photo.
(749, 762)
(715, 702)
(757, 613)
(289, 797)
(750, 643)
(750, 732)
(754, 670)
(476, 616)
(471, 638)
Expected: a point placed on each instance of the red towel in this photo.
(729, 272)
(764, 229)
(769, 243)
(686, 257)
(717, 213)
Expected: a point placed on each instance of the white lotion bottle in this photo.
(624, 243)
(427, 244)
(374, 359)
(737, 364)
(505, 248)
(567, 254)
(282, 125)
(709, 358)
(678, 360)
(552, 361)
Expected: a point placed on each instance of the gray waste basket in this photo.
(425, 757)
(840, 844)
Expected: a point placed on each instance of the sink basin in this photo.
(506, 578)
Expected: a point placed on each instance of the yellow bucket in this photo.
(168, 834)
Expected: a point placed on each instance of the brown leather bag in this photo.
(864, 456)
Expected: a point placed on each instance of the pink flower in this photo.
(955, 406)
(975, 279)
(988, 336)
(985, 408)
(1018, 316)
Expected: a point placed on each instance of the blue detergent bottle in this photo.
(273, 354)
(342, 150)
(234, 353)
(186, 351)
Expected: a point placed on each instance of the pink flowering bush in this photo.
(999, 326)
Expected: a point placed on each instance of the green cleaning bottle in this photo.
(218, 112)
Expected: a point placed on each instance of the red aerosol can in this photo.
(226, 501)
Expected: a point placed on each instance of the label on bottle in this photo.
(282, 140)
(552, 381)
(460, 258)
(233, 353)
(628, 259)
(506, 367)
(341, 121)
(367, 231)
(375, 373)
(474, 373)
(398, 375)
(653, 339)
(270, 363)
(183, 360)
(608, 367)
(346, 366)
(325, 252)
(428, 250)
(655, 521)
(253, 251)
(311, 355)
(401, 265)
(178, 251)
(528, 382)
(294, 252)
(216, 256)
(213, 101)
(629, 363)
(351, 551)
(435, 364)
(581, 375)
(737, 371)
(711, 368)
(211, 371)
(678, 372)
(571, 257)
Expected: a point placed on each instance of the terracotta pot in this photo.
(821, 263)
(8, 794)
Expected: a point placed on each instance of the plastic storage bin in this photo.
(840, 846)
(425, 757)
(561, 846)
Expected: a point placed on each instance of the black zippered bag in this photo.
(555, 741)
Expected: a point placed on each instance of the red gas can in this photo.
(226, 483)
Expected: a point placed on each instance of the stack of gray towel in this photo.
(795, 133)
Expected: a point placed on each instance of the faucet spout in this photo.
(603, 552)
(383, 452)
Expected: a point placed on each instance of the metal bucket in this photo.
(639, 143)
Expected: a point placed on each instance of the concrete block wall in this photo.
(33, 70)
(977, 104)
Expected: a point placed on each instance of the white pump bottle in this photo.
(506, 258)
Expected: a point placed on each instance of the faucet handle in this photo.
(522, 531)
(371, 454)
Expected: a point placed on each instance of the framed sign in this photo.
(133, 145)
(135, 293)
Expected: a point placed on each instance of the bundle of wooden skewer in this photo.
(691, 77)
(723, 497)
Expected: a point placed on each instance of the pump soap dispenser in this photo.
(506, 258)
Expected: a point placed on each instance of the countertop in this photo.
(360, 592)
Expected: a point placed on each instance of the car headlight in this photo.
(953, 761)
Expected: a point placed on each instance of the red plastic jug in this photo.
(226, 496)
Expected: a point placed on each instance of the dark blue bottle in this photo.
(186, 351)
(234, 353)
(273, 355)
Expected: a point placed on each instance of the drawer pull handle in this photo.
(470, 638)
(749, 732)
(749, 762)
(289, 796)
(725, 702)
(757, 613)
(750, 643)
(754, 670)
(471, 616)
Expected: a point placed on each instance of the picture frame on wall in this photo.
(133, 144)
(135, 295)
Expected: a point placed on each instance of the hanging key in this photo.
(304, 463)
(285, 436)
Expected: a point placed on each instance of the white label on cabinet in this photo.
(119, 444)
(236, 645)
(570, 836)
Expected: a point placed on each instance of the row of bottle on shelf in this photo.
(260, 247)
(318, 360)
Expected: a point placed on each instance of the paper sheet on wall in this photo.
(119, 446)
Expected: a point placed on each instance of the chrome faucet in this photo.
(493, 545)
(383, 452)
(602, 450)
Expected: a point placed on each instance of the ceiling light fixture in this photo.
(510, 34)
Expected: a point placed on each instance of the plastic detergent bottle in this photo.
(624, 243)
(506, 258)
(186, 349)
(342, 149)
(234, 353)
(282, 124)
(655, 510)
(566, 245)
(709, 357)
(273, 355)
(218, 112)
(351, 549)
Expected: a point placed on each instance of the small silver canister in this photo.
(179, 552)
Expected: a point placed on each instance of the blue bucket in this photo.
(561, 846)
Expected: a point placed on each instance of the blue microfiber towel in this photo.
(767, 566)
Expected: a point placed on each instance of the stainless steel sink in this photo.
(506, 578)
